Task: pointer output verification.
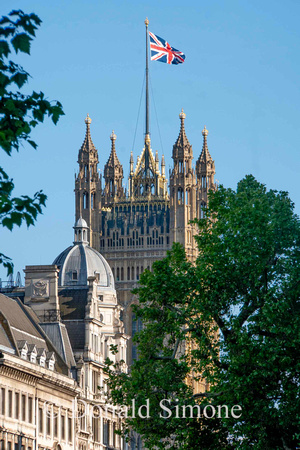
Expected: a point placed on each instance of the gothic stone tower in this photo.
(132, 230)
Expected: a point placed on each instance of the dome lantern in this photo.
(81, 232)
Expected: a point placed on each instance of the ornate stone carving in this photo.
(40, 289)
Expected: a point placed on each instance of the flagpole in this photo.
(147, 80)
(147, 132)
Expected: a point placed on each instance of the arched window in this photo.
(180, 196)
(132, 273)
(122, 273)
(118, 273)
(202, 210)
(85, 200)
(128, 273)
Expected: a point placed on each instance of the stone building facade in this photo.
(55, 335)
(135, 228)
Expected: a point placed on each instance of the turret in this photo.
(205, 171)
(183, 192)
(87, 183)
(113, 174)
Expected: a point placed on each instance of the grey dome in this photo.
(81, 223)
(79, 262)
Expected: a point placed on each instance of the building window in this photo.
(105, 433)
(2, 401)
(23, 405)
(202, 211)
(128, 273)
(82, 416)
(70, 430)
(41, 422)
(180, 196)
(17, 405)
(55, 424)
(63, 426)
(30, 409)
(85, 200)
(74, 275)
(95, 381)
(48, 422)
(95, 426)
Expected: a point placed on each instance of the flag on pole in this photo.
(163, 52)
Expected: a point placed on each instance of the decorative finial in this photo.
(182, 115)
(146, 22)
(88, 120)
(204, 131)
(113, 137)
(147, 139)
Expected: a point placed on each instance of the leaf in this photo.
(32, 143)
(21, 42)
(8, 223)
(20, 79)
(4, 48)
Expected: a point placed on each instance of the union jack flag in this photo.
(163, 52)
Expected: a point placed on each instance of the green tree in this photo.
(19, 114)
(232, 319)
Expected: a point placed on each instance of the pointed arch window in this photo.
(85, 200)
(202, 210)
(180, 196)
(187, 197)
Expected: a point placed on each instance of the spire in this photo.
(87, 143)
(113, 159)
(113, 172)
(131, 162)
(182, 148)
(156, 162)
(205, 155)
(163, 166)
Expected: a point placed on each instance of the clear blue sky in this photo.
(240, 79)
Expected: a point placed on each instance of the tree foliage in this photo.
(230, 323)
(19, 114)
